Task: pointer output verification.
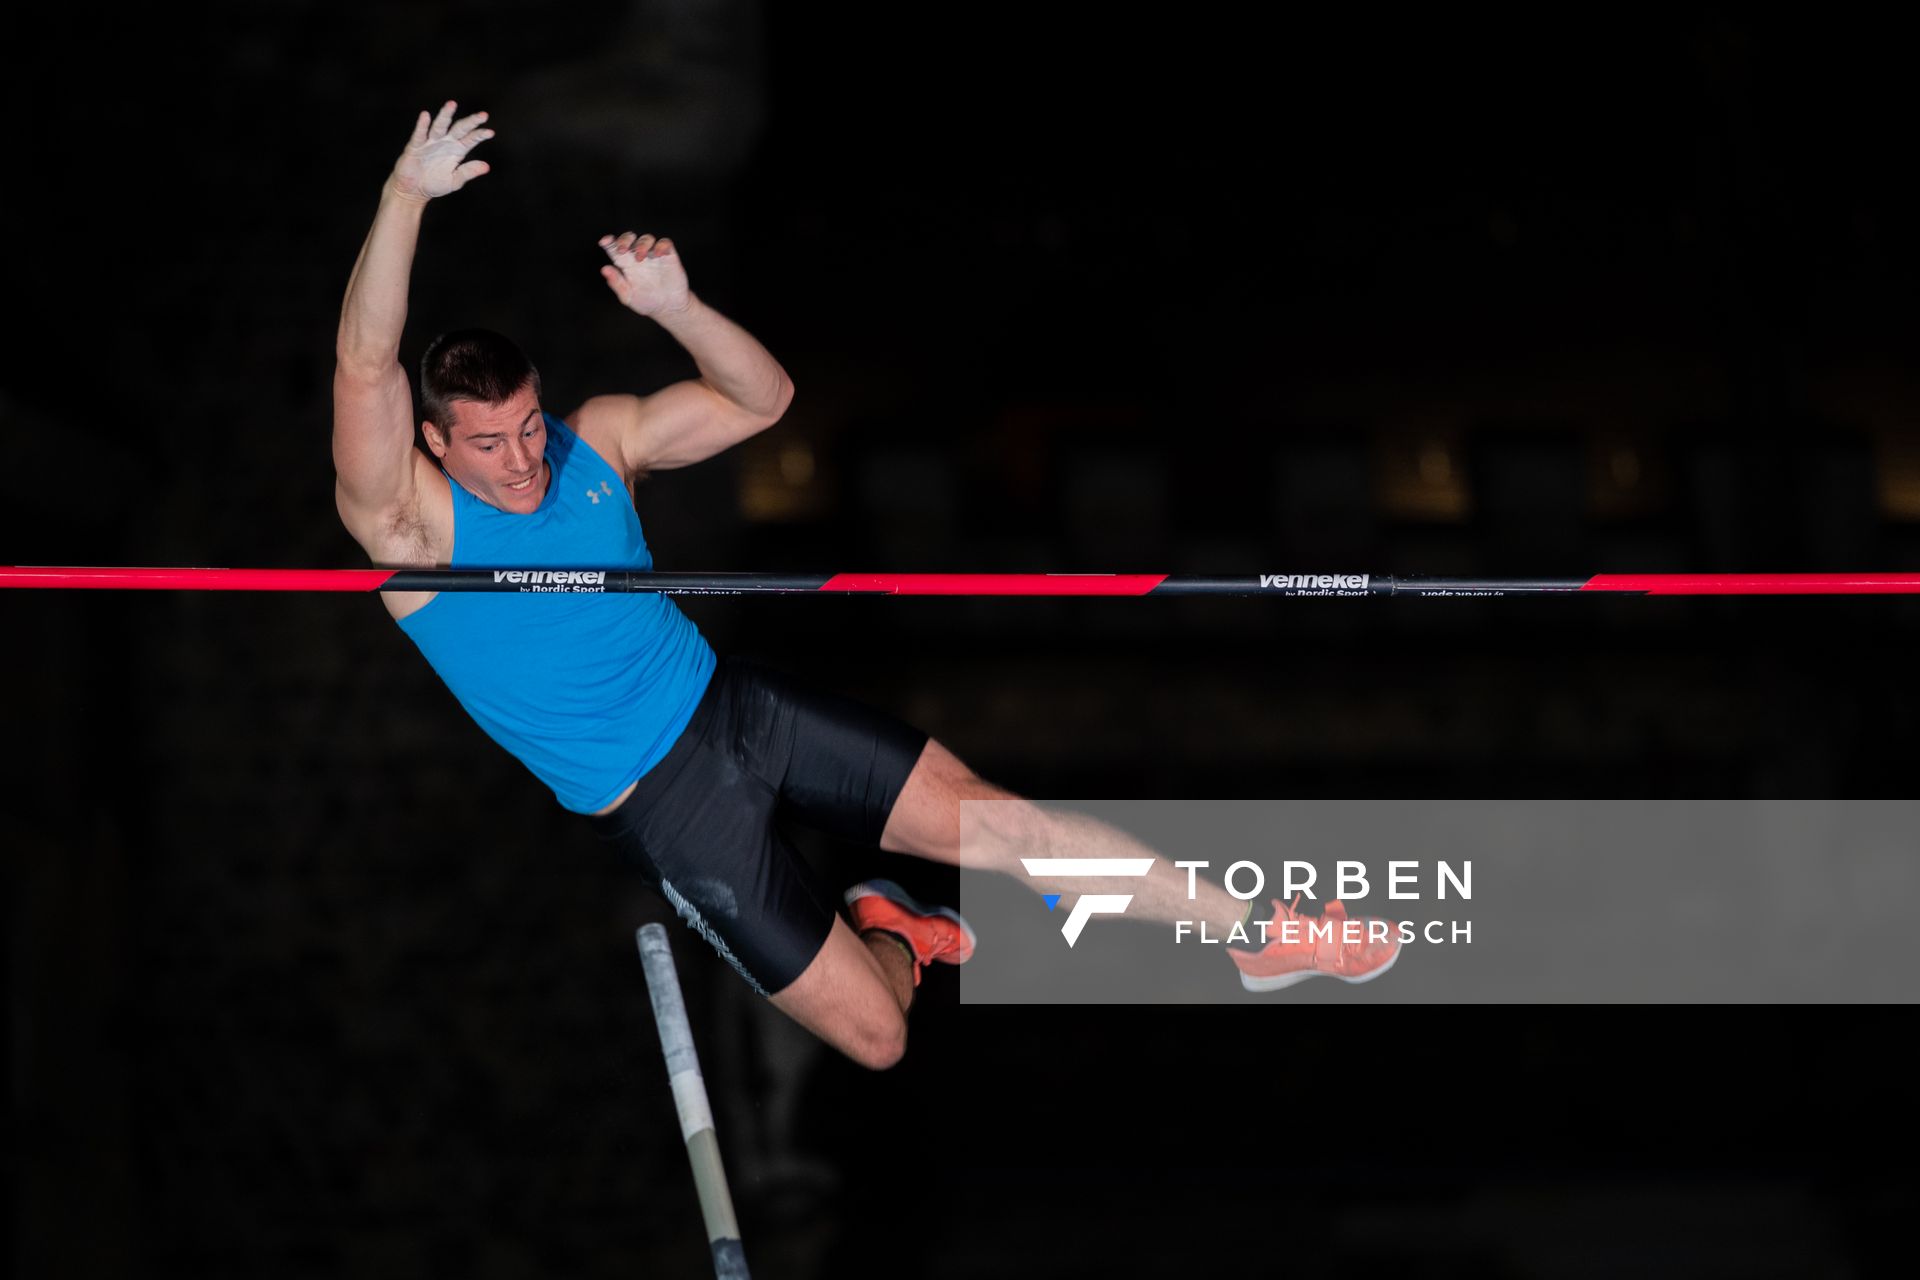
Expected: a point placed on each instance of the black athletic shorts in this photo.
(701, 823)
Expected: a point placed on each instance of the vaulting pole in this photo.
(690, 1100)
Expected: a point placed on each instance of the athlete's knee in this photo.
(842, 1000)
(879, 1042)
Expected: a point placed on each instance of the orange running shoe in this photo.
(931, 933)
(1319, 948)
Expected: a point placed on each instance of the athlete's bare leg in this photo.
(926, 822)
(854, 995)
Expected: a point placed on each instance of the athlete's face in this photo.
(498, 451)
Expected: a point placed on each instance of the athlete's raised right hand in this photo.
(432, 165)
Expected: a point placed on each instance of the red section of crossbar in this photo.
(1758, 584)
(197, 579)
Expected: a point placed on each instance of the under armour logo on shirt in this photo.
(595, 493)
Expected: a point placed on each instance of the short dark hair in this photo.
(478, 365)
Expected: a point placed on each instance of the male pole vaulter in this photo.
(617, 702)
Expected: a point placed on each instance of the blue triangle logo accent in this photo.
(1052, 900)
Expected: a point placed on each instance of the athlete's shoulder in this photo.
(603, 424)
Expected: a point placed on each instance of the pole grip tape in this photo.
(690, 1100)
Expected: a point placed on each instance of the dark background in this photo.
(305, 977)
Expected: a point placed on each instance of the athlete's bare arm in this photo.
(741, 388)
(392, 499)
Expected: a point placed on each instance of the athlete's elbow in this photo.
(773, 406)
(362, 367)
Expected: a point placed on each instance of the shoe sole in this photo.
(895, 894)
(1280, 981)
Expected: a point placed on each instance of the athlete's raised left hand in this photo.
(646, 274)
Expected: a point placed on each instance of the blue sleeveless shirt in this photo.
(588, 691)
